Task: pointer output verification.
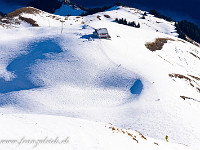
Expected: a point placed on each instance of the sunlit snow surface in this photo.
(39, 132)
(77, 75)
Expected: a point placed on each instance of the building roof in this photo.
(102, 30)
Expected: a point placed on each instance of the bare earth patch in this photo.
(157, 44)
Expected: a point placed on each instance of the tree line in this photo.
(187, 28)
(125, 22)
(158, 15)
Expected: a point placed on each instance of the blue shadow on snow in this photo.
(119, 80)
(20, 66)
(90, 36)
(137, 87)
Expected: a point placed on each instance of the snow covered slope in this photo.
(61, 68)
(41, 132)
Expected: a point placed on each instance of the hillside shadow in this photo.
(121, 81)
(20, 66)
(89, 37)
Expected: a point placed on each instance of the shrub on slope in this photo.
(124, 22)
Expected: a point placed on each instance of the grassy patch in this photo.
(193, 82)
(179, 76)
(157, 44)
(29, 20)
